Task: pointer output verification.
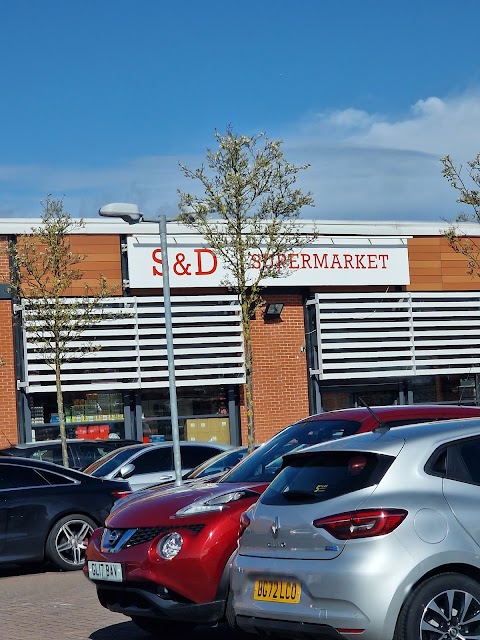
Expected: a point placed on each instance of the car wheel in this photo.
(157, 626)
(444, 606)
(68, 540)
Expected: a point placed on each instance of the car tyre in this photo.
(162, 626)
(230, 616)
(68, 540)
(446, 604)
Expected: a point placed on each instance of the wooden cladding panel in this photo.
(102, 257)
(435, 266)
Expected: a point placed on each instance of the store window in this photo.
(202, 414)
(334, 398)
(88, 416)
(454, 389)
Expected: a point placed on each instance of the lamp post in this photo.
(130, 213)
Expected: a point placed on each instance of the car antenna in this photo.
(377, 418)
(7, 438)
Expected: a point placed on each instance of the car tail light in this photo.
(244, 522)
(118, 494)
(365, 523)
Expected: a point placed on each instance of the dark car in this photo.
(163, 557)
(81, 453)
(48, 512)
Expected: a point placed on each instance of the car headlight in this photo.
(218, 503)
(170, 545)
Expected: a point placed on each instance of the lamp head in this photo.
(273, 310)
(125, 211)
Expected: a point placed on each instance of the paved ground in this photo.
(47, 605)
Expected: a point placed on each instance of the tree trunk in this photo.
(61, 414)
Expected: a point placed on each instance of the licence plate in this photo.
(109, 571)
(287, 591)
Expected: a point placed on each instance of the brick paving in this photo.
(49, 605)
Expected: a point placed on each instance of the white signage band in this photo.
(377, 261)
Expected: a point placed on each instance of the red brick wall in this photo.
(280, 380)
(8, 402)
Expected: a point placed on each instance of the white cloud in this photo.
(372, 166)
(363, 166)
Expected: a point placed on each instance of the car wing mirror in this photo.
(126, 470)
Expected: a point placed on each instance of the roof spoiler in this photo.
(377, 418)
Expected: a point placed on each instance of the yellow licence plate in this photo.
(277, 591)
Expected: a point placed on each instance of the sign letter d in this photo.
(202, 269)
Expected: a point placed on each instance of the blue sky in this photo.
(101, 99)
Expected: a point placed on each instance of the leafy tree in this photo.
(249, 205)
(468, 189)
(44, 268)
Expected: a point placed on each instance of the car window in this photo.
(104, 466)
(459, 461)
(470, 455)
(464, 462)
(153, 461)
(193, 455)
(55, 478)
(219, 463)
(89, 452)
(321, 476)
(51, 453)
(12, 477)
(42, 454)
(263, 464)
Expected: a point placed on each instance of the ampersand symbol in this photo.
(179, 267)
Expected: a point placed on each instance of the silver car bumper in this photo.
(339, 597)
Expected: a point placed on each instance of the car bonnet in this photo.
(152, 507)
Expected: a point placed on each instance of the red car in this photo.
(163, 556)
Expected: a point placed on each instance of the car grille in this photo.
(145, 534)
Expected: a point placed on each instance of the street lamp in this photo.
(130, 213)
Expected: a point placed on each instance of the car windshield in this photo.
(318, 477)
(218, 464)
(108, 463)
(263, 464)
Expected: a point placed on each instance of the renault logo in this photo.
(275, 527)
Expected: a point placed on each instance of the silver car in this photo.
(144, 465)
(375, 536)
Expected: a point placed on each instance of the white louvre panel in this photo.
(372, 335)
(207, 338)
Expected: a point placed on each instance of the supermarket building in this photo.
(377, 312)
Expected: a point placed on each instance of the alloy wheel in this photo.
(72, 539)
(451, 614)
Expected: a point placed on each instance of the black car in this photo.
(81, 453)
(48, 512)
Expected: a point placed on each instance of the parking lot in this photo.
(51, 605)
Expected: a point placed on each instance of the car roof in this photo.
(41, 464)
(168, 443)
(390, 411)
(43, 443)
(423, 437)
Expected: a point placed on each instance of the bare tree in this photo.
(468, 189)
(44, 268)
(248, 208)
